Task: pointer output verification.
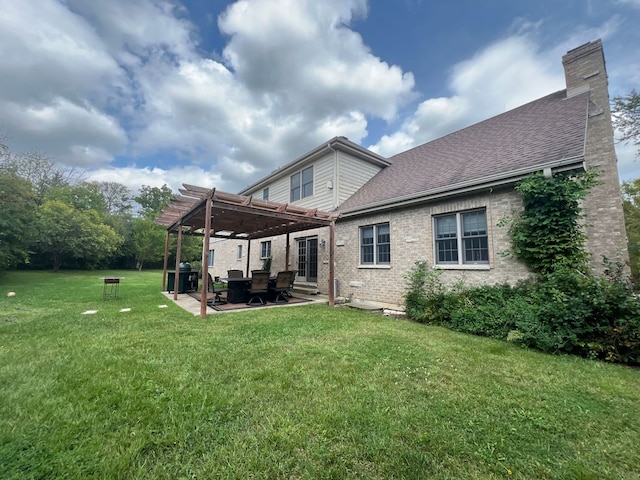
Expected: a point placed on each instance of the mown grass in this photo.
(296, 392)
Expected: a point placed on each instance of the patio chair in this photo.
(288, 293)
(283, 281)
(216, 299)
(259, 287)
(234, 274)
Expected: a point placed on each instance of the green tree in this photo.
(17, 210)
(631, 206)
(153, 200)
(625, 111)
(70, 235)
(41, 170)
(117, 197)
(81, 196)
(148, 241)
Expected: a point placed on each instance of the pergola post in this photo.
(248, 257)
(205, 260)
(287, 253)
(176, 277)
(165, 264)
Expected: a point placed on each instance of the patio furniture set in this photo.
(256, 290)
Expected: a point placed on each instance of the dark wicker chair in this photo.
(234, 274)
(293, 277)
(259, 287)
(283, 282)
(215, 299)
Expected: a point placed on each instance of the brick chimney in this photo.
(585, 71)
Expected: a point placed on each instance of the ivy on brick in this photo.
(548, 233)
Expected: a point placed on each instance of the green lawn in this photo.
(296, 392)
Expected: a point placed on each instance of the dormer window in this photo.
(302, 184)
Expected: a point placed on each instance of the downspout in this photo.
(334, 180)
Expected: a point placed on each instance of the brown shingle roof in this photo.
(546, 131)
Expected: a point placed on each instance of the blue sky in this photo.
(219, 93)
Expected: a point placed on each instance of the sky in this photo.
(219, 93)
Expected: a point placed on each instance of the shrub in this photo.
(563, 311)
(424, 293)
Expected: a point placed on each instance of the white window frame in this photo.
(298, 188)
(211, 257)
(460, 240)
(375, 246)
(265, 193)
(239, 253)
(265, 249)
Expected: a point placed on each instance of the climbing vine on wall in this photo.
(548, 234)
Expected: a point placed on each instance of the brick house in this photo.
(442, 201)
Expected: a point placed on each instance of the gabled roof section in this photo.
(237, 216)
(342, 144)
(546, 133)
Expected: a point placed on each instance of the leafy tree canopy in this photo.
(66, 233)
(17, 209)
(631, 206)
(153, 200)
(625, 111)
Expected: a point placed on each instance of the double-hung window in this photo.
(375, 245)
(461, 238)
(302, 184)
(265, 249)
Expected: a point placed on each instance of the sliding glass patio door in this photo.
(307, 260)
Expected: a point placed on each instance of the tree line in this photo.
(50, 218)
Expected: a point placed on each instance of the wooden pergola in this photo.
(212, 213)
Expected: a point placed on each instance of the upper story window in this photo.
(265, 193)
(302, 184)
(461, 238)
(265, 249)
(375, 245)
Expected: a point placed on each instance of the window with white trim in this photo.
(239, 257)
(265, 249)
(461, 238)
(302, 184)
(265, 193)
(211, 255)
(375, 244)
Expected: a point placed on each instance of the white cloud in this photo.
(135, 177)
(288, 83)
(93, 83)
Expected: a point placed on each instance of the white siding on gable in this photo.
(353, 173)
(336, 176)
(323, 196)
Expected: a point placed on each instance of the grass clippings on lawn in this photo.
(300, 392)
